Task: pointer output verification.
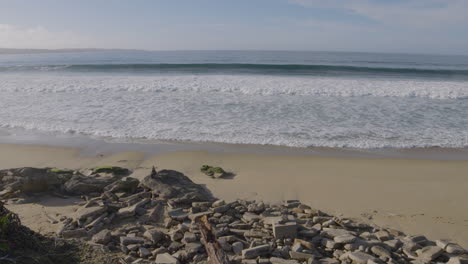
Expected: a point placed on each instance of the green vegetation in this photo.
(213, 171)
(111, 169)
(61, 171)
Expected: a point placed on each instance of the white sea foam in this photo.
(239, 84)
(290, 111)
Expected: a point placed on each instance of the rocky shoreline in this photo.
(158, 221)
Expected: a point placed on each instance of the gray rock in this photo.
(344, 239)
(144, 252)
(125, 184)
(251, 217)
(154, 235)
(103, 237)
(169, 184)
(131, 240)
(89, 212)
(218, 203)
(237, 248)
(275, 260)
(80, 184)
(430, 252)
(165, 258)
(455, 249)
(286, 230)
(458, 260)
(81, 232)
(254, 252)
(360, 257)
(381, 252)
(189, 238)
(300, 255)
(193, 247)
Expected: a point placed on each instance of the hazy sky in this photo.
(424, 26)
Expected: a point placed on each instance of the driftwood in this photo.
(215, 253)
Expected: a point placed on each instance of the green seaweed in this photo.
(111, 169)
(61, 171)
(211, 171)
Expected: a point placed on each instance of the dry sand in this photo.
(427, 197)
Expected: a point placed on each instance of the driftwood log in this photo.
(215, 253)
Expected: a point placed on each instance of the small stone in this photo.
(193, 247)
(254, 252)
(165, 258)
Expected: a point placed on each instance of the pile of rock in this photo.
(158, 221)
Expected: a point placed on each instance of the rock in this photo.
(251, 217)
(193, 247)
(111, 169)
(189, 238)
(275, 260)
(29, 180)
(80, 184)
(326, 261)
(254, 252)
(360, 257)
(165, 258)
(430, 252)
(300, 255)
(126, 184)
(218, 203)
(103, 237)
(154, 235)
(332, 232)
(382, 235)
(178, 214)
(81, 232)
(455, 249)
(380, 251)
(344, 239)
(286, 230)
(169, 184)
(328, 243)
(131, 240)
(144, 252)
(458, 260)
(237, 248)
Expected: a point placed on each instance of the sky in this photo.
(408, 26)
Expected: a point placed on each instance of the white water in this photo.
(250, 109)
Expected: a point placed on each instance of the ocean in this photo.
(296, 99)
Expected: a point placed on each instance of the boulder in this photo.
(80, 184)
(126, 184)
(170, 184)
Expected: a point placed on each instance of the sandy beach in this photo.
(416, 196)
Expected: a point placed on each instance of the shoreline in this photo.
(416, 196)
(91, 145)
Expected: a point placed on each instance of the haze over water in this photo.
(300, 99)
